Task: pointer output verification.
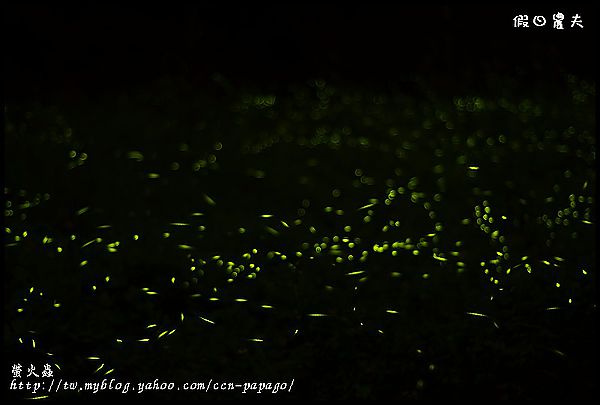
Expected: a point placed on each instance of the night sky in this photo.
(98, 47)
(359, 201)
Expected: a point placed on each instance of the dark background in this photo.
(153, 76)
(97, 47)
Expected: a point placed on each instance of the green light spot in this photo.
(134, 154)
(441, 259)
(82, 210)
(272, 231)
(207, 320)
(365, 207)
(477, 314)
(209, 200)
